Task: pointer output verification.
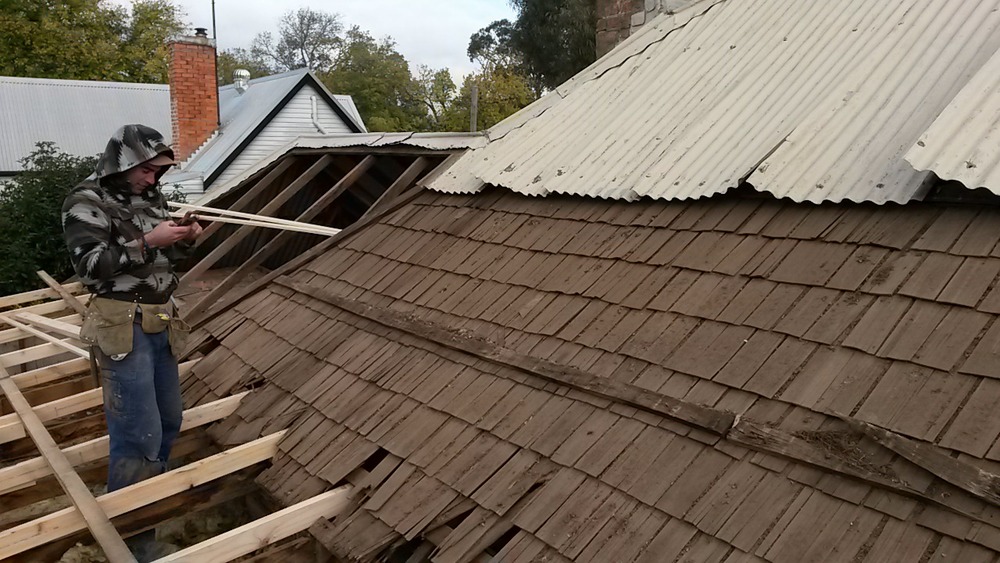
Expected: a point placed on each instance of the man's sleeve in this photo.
(87, 229)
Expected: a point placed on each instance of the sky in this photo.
(430, 32)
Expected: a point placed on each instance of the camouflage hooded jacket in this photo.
(104, 223)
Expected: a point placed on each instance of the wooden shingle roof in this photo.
(731, 379)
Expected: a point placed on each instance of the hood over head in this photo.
(130, 146)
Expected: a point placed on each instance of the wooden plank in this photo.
(63, 292)
(32, 354)
(963, 475)
(212, 211)
(47, 337)
(62, 327)
(267, 530)
(48, 374)
(12, 429)
(272, 207)
(711, 420)
(286, 226)
(275, 244)
(251, 194)
(36, 295)
(86, 506)
(67, 521)
(57, 307)
(25, 472)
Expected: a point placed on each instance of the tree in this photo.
(306, 38)
(378, 77)
(231, 59)
(87, 39)
(502, 92)
(436, 91)
(30, 217)
(550, 41)
(143, 51)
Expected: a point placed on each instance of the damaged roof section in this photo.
(814, 101)
(729, 379)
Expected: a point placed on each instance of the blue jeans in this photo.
(142, 405)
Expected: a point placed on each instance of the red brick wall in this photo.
(194, 107)
(614, 20)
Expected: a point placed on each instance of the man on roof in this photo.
(124, 245)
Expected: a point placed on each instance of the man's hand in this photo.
(194, 231)
(167, 233)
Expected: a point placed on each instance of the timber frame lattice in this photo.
(62, 388)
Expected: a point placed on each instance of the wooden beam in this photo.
(401, 184)
(86, 506)
(62, 327)
(12, 429)
(272, 206)
(67, 521)
(265, 531)
(715, 421)
(965, 476)
(235, 297)
(48, 374)
(16, 334)
(251, 194)
(275, 244)
(63, 292)
(48, 337)
(211, 212)
(18, 475)
(36, 295)
(286, 226)
(33, 353)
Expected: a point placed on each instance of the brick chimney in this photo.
(617, 19)
(194, 92)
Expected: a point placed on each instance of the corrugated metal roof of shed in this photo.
(79, 116)
(964, 142)
(790, 100)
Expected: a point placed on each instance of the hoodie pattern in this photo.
(103, 223)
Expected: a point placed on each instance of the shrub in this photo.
(31, 236)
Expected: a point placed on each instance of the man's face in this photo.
(141, 177)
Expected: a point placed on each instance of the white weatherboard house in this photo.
(216, 133)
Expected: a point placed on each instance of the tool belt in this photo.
(108, 324)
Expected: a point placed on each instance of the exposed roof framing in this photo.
(57, 324)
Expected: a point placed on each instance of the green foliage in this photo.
(231, 59)
(436, 91)
(550, 41)
(87, 39)
(502, 92)
(30, 224)
(306, 38)
(378, 77)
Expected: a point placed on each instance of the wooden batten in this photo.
(86, 506)
(68, 521)
(267, 530)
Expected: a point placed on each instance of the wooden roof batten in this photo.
(95, 513)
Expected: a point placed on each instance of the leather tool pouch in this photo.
(108, 325)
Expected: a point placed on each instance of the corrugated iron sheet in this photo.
(964, 142)
(814, 101)
(79, 116)
(432, 141)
